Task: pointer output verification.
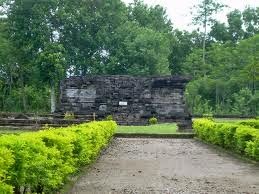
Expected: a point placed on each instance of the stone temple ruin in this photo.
(130, 100)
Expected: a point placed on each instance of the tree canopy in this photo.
(42, 42)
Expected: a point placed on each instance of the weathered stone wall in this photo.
(131, 100)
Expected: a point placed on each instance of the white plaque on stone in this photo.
(123, 103)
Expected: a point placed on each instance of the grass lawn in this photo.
(166, 128)
(12, 131)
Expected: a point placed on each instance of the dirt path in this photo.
(167, 166)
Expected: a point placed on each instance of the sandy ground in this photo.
(167, 166)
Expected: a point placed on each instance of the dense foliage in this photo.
(252, 123)
(40, 162)
(229, 81)
(42, 42)
(239, 137)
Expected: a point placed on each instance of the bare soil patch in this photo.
(167, 166)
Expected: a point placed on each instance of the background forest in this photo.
(42, 42)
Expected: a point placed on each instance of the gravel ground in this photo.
(167, 166)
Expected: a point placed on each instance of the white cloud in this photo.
(179, 10)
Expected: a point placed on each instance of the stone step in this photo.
(42, 121)
(28, 127)
(43, 116)
(131, 123)
(33, 125)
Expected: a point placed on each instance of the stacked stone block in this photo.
(131, 100)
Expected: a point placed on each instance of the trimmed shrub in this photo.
(252, 123)
(244, 135)
(6, 161)
(40, 162)
(152, 121)
(237, 137)
(203, 128)
(252, 148)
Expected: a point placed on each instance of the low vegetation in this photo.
(252, 123)
(69, 116)
(241, 137)
(167, 128)
(41, 162)
(152, 121)
(4, 131)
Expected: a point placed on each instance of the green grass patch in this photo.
(13, 131)
(166, 128)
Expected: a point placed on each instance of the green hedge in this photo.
(252, 123)
(40, 162)
(238, 137)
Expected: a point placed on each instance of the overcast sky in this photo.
(179, 10)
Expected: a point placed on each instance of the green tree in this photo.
(235, 25)
(242, 100)
(251, 21)
(205, 11)
(51, 66)
(34, 30)
(219, 32)
(8, 67)
(87, 33)
(249, 61)
(230, 68)
(139, 51)
(154, 17)
(182, 43)
(194, 66)
(240, 25)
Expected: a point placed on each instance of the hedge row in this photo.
(40, 162)
(240, 138)
(252, 123)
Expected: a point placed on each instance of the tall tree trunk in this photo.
(205, 35)
(217, 98)
(254, 88)
(3, 98)
(24, 102)
(254, 75)
(52, 97)
(204, 47)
